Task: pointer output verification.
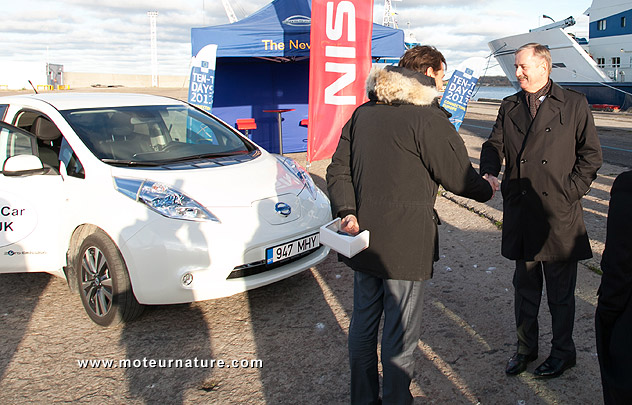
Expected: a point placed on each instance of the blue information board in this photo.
(457, 94)
(202, 80)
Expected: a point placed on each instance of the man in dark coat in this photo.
(392, 155)
(547, 138)
(613, 319)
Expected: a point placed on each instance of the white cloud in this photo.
(113, 36)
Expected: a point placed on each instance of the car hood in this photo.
(236, 185)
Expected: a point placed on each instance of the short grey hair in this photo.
(540, 51)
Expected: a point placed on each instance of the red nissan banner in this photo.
(340, 60)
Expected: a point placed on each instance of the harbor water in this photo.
(492, 92)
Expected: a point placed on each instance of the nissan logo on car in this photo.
(283, 209)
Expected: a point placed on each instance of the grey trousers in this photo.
(401, 303)
(561, 278)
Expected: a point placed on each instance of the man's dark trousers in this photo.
(561, 278)
(401, 301)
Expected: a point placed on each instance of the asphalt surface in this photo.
(297, 328)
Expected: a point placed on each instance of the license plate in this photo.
(296, 247)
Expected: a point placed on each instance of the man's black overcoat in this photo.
(550, 162)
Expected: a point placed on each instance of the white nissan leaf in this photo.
(140, 200)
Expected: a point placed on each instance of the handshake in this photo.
(493, 181)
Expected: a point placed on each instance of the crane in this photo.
(229, 11)
(569, 22)
(389, 15)
(389, 19)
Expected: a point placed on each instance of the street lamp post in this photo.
(154, 48)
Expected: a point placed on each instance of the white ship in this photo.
(601, 67)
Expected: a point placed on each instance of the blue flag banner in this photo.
(202, 80)
(460, 88)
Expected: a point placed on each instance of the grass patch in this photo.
(594, 269)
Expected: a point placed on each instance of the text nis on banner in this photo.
(339, 65)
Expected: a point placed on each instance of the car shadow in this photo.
(168, 351)
(299, 339)
(20, 294)
(300, 342)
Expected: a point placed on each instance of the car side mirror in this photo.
(23, 165)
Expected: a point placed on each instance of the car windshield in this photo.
(155, 134)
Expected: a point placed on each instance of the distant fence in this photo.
(77, 80)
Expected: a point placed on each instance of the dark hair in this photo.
(420, 58)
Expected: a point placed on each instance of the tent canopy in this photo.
(263, 64)
(282, 29)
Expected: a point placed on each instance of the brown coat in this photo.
(550, 162)
(392, 155)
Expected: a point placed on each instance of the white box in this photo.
(343, 244)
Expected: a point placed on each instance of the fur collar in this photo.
(399, 85)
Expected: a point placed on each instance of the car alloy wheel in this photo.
(104, 285)
(96, 284)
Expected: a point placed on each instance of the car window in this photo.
(47, 135)
(155, 134)
(3, 111)
(188, 129)
(24, 119)
(69, 158)
(15, 142)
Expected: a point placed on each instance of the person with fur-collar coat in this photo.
(393, 154)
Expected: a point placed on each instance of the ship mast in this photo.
(389, 19)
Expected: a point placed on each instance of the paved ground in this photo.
(298, 328)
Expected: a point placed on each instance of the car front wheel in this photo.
(104, 285)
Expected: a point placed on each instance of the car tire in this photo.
(103, 280)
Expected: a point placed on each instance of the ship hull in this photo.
(604, 94)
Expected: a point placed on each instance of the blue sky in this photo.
(113, 36)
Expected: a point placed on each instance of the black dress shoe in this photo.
(518, 363)
(553, 367)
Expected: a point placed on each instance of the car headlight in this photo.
(298, 171)
(164, 200)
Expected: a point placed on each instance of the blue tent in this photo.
(263, 64)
